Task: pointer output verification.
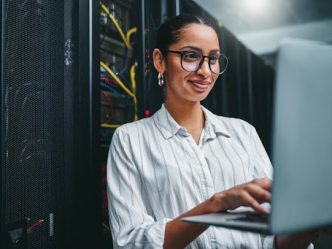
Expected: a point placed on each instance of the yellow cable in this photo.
(117, 26)
(116, 78)
(133, 85)
(112, 126)
(106, 227)
(130, 32)
(126, 40)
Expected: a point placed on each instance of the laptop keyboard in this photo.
(253, 217)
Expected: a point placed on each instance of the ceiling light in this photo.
(255, 6)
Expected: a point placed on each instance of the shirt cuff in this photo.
(156, 234)
(269, 242)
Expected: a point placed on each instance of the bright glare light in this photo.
(255, 6)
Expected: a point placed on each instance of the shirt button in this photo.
(183, 132)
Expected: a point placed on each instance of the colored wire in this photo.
(34, 225)
(108, 81)
(111, 126)
(110, 89)
(133, 85)
(117, 26)
(126, 65)
(126, 40)
(117, 79)
(130, 32)
(125, 68)
(107, 125)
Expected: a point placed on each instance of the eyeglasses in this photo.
(191, 61)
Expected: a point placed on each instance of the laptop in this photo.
(301, 146)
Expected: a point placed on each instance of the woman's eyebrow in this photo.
(215, 51)
(191, 48)
(199, 49)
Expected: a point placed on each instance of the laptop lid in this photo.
(301, 147)
(302, 137)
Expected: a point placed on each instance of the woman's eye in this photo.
(191, 56)
(214, 58)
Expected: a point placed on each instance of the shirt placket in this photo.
(205, 180)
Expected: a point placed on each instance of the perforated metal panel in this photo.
(32, 122)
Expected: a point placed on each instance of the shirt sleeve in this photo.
(131, 225)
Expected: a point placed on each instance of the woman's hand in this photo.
(179, 234)
(250, 194)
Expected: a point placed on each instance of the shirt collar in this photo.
(166, 123)
(213, 125)
(169, 127)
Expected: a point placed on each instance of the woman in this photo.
(184, 160)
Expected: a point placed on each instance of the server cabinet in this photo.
(49, 166)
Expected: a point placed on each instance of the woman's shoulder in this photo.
(230, 124)
(238, 122)
(237, 126)
(134, 127)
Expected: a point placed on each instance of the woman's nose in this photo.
(204, 68)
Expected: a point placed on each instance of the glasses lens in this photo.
(191, 60)
(218, 64)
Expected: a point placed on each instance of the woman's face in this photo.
(183, 86)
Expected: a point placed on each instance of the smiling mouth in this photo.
(200, 85)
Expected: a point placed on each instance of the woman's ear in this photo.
(158, 60)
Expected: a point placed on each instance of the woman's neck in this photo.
(189, 115)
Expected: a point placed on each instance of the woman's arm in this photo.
(179, 234)
(132, 223)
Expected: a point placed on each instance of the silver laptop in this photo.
(301, 146)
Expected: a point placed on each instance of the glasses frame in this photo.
(182, 52)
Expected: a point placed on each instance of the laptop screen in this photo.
(302, 137)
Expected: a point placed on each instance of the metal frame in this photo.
(2, 245)
(88, 206)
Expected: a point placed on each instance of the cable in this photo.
(126, 40)
(108, 81)
(130, 32)
(110, 89)
(107, 125)
(112, 126)
(132, 94)
(117, 26)
(116, 78)
(126, 65)
(133, 85)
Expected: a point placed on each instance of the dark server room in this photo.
(152, 123)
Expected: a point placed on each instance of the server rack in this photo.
(120, 102)
(49, 164)
(128, 82)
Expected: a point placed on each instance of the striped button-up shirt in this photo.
(156, 171)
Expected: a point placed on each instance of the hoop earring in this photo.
(161, 79)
